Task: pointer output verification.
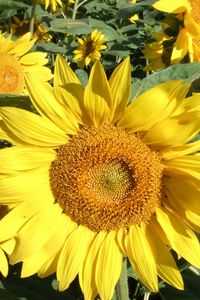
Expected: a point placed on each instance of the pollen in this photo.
(106, 178)
(11, 75)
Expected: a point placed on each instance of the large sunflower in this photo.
(188, 39)
(16, 63)
(92, 178)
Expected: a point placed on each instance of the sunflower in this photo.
(89, 48)
(20, 27)
(53, 4)
(92, 179)
(188, 39)
(158, 56)
(16, 63)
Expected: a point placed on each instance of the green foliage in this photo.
(184, 72)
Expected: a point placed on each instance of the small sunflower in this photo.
(16, 63)
(92, 179)
(53, 4)
(89, 48)
(20, 27)
(157, 54)
(188, 39)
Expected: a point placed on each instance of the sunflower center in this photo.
(11, 75)
(106, 178)
(89, 47)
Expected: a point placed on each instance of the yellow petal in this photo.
(120, 84)
(32, 264)
(192, 26)
(121, 239)
(97, 97)
(155, 104)
(16, 187)
(49, 267)
(180, 47)
(68, 89)
(63, 72)
(181, 237)
(36, 232)
(3, 135)
(24, 158)
(185, 166)
(183, 194)
(31, 129)
(41, 94)
(174, 131)
(8, 246)
(169, 153)
(22, 45)
(34, 58)
(141, 257)
(87, 271)
(170, 6)
(17, 217)
(42, 73)
(3, 264)
(108, 266)
(166, 266)
(72, 255)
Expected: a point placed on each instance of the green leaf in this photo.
(16, 101)
(4, 4)
(73, 27)
(133, 8)
(7, 13)
(34, 288)
(82, 76)
(186, 72)
(51, 47)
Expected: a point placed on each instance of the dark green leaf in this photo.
(129, 9)
(16, 101)
(73, 27)
(51, 47)
(5, 4)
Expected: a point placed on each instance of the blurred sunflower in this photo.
(20, 27)
(157, 54)
(188, 39)
(16, 63)
(93, 180)
(53, 4)
(89, 48)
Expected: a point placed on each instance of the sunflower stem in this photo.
(32, 19)
(121, 289)
(75, 9)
